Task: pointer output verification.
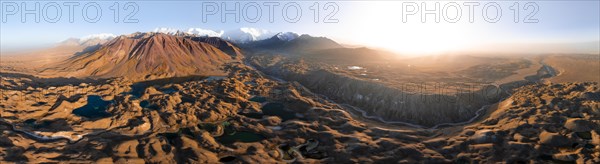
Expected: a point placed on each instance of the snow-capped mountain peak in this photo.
(287, 36)
(246, 34)
(204, 32)
(240, 35)
(166, 30)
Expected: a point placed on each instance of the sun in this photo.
(380, 26)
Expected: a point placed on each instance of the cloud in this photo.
(101, 36)
(165, 30)
(204, 32)
(247, 34)
(240, 35)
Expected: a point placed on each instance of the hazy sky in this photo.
(375, 24)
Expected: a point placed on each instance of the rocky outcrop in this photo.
(527, 127)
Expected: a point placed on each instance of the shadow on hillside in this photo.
(46, 82)
(138, 88)
(88, 49)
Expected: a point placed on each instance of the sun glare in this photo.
(381, 26)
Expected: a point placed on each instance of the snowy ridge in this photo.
(287, 36)
(241, 35)
(204, 32)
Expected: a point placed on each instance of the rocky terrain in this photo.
(199, 120)
(159, 98)
(426, 104)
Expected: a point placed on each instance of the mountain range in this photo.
(169, 53)
(240, 35)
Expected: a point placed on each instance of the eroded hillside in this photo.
(246, 117)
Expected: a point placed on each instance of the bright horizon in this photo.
(556, 27)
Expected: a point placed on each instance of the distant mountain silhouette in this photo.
(301, 43)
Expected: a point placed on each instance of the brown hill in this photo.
(147, 56)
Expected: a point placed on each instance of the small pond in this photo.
(168, 90)
(138, 89)
(278, 109)
(95, 108)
